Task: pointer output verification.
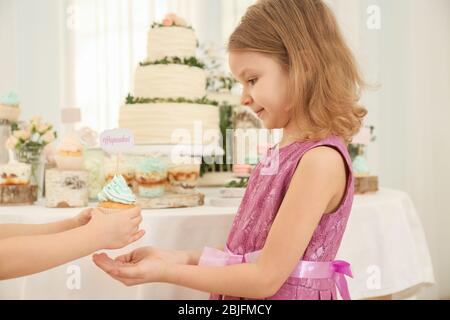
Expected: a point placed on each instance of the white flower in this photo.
(22, 134)
(48, 137)
(36, 121)
(11, 142)
(43, 128)
(27, 127)
(35, 137)
(212, 52)
(28, 132)
(88, 137)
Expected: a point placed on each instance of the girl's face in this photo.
(265, 84)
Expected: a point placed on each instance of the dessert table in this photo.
(384, 242)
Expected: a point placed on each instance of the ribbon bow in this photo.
(336, 270)
(340, 270)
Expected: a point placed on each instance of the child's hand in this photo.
(170, 256)
(116, 230)
(140, 266)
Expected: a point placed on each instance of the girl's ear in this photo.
(290, 105)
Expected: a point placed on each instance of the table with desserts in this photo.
(384, 242)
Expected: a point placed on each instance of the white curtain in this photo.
(109, 38)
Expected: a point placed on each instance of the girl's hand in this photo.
(140, 266)
(116, 230)
(169, 256)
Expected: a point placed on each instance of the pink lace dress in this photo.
(260, 205)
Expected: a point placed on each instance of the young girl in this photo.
(27, 249)
(299, 75)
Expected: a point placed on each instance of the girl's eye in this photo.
(252, 82)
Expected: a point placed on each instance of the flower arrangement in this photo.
(219, 78)
(28, 141)
(34, 134)
(360, 141)
(220, 82)
(172, 20)
(220, 162)
(357, 151)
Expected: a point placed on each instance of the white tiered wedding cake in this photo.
(169, 89)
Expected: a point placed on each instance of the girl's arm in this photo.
(316, 181)
(18, 230)
(193, 256)
(20, 256)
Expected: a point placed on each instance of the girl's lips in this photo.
(259, 113)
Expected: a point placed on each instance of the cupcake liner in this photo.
(111, 210)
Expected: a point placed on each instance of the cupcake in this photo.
(242, 170)
(9, 107)
(360, 167)
(151, 177)
(15, 173)
(70, 153)
(183, 178)
(119, 166)
(246, 169)
(116, 195)
(15, 187)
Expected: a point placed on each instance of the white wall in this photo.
(410, 58)
(7, 46)
(428, 130)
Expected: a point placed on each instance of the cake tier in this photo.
(170, 81)
(171, 42)
(157, 123)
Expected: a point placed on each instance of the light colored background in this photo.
(55, 57)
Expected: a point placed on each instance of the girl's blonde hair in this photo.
(304, 37)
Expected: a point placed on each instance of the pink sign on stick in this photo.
(117, 141)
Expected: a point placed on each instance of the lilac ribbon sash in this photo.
(336, 270)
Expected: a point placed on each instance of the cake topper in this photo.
(117, 142)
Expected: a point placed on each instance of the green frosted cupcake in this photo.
(151, 177)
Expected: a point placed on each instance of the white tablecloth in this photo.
(384, 242)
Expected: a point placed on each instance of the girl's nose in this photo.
(246, 100)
